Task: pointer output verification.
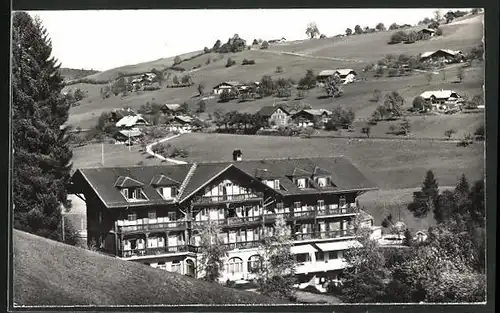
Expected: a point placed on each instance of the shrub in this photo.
(247, 62)
(449, 132)
(479, 133)
(379, 72)
(230, 62)
(392, 72)
(433, 25)
(322, 36)
(255, 42)
(439, 32)
(279, 70)
(208, 61)
(398, 37)
(418, 103)
(177, 60)
(264, 45)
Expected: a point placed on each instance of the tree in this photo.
(177, 60)
(202, 107)
(201, 88)
(449, 132)
(348, 32)
(437, 16)
(266, 86)
(418, 103)
(398, 37)
(474, 11)
(276, 274)
(479, 133)
(42, 154)
(428, 76)
(213, 253)
(312, 30)
(405, 126)
(393, 26)
(184, 108)
(216, 46)
(394, 102)
(175, 80)
(411, 37)
(78, 95)
(333, 86)
(264, 45)
(380, 27)
(449, 16)
(358, 30)
(230, 62)
(255, 42)
(379, 72)
(283, 88)
(425, 200)
(308, 81)
(186, 79)
(366, 130)
(460, 74)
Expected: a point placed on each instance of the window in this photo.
(172, 216)
(132, 217)
(332, 255)
(125, 193)
(342, 201)
(297, 205)
(322, 181)
(279, 207)
(254, 263)
(152, 214)
(176, 267)
(133, 194)
(303, 257)
(234, 265)
(320, 256)
(301, 183)
(276, 184)
(162, 266)
(321, 204)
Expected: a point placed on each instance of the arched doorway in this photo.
(190, 268)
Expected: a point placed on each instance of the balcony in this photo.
(339, 211)
(156, 251)
(203, 200)
(230, 221)
(243, 244)
(173, 225)
(324, 234)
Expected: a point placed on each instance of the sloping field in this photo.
(462, 35)
(390, 164)
(51, 273)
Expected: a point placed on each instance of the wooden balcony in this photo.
(324, 235)
(204, 200)
(156, 251)
(340, 211)
(243, 244)
(139, 228)
(229, 222)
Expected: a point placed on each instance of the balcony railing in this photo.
(228, 198)
(230, 221)
(339, 211)
(151, 226)
(324, 234)
(243, 244)
(156, 251)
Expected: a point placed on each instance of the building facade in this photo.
(155, 214)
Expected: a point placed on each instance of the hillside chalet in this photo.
(346, 75)
(154, 214)
(445, 55)
(442, 100)
(182, 123)
(171, 109)
(308, 117)
(117, 114)
(275, 115)
(426, 33)
(131, 121)
(128, 136)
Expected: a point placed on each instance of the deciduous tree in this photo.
(213, 253)
(312, 30)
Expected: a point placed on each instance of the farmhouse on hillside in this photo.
(426, 33)
(442, 100)
(155, 214)
(128, 136)
(117, 114)
(217, 90)
(308, 117)
(275, 115)
(346, 75)
(181, 123)
(445, 55)
(171, 109)
(130, 121)
(283, 39)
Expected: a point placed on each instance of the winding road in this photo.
(149, 150)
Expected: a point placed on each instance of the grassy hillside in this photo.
(352, 52)
(71, 73)
(461, 35)
(51, 273)
(390, 164)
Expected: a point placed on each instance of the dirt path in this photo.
(310, 56)
(149, 150)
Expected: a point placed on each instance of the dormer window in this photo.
(165, 186)
(301, 183)
(167, 193)
(322, 181)
(134, 194)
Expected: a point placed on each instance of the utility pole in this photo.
(102, 154)
(63, 229)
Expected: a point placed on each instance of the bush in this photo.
(479, 133)
(418, 103)
(398, 37)
(177, 60)
(379, 72)
(279, 70)
(322, 36)
(247, 62)
(433, 25)
(264, 45)
(392, 72)
(230, 62)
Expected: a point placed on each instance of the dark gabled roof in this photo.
(344, 175)
(163, 181)
(127, 182)
(267, 111)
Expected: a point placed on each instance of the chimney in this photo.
(237, 155)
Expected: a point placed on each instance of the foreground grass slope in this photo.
(51, 273)
(347, 52)
(390, 164)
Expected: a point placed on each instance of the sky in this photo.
(105, 39)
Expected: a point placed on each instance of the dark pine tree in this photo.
(462, 195)
(477, 207)
(426, 200)
(42, 154)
